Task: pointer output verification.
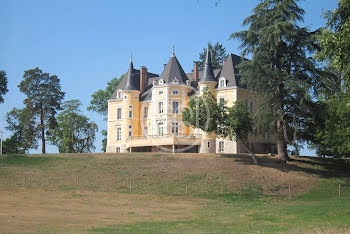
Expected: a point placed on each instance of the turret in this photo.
(131, 104)
(207, 82)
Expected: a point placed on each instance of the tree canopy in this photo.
(43, 99)
(280, 71)
(23, 137)
(335, 40)
(99, 104)
(232, 123)
(202, 113)
(74, 133)
(218, 54)
(333, 134)
(3, 85)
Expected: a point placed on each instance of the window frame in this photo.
(119, 133)
(178, 107)
(119, 111)
(145, 112)
(221, 146)
(119, 94)
(160, 129)
(160, 107)
(222, 82)
(175, 128)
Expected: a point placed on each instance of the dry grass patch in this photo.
(38, 210)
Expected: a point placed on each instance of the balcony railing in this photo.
(165, 136)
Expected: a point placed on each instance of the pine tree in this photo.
(280, 71)
(218, 54)
(44, 97)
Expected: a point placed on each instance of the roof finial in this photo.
(130, 56)
(208, 48)
(173, 51)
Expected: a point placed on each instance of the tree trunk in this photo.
(251, 153)
(42, 126)
(281, 142)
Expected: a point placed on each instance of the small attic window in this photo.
(222, 82)
(119, 94)
(188, 82)
(175, 81)
(161, 81)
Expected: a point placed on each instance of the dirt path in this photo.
(37, 210)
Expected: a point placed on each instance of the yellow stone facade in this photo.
(154, 123)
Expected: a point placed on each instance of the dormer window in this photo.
(119, 94)
(161, 81)
(175, 81)
(222, 82)
(188, 82)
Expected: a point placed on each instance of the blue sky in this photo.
(88, 42)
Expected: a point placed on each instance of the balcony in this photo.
(165, 139)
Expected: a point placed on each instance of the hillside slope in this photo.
(167, 193)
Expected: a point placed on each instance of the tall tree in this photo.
(335, 40)
(21, 125)
(44, 97)
(99, 104)
(218, 52)
(280, 71)
(333, 134)
(3, 85)
(74, 133)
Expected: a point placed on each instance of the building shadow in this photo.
(323, 167)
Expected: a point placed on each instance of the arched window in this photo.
(222, 82)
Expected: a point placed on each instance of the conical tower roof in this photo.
(131, 83)
(173, 70)
(208, 73)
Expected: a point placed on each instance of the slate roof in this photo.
(173, 69)
(131, 82)
(208, 73)
(135, 78)
(230, 72)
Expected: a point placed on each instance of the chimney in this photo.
(143, 78)
(223, 62)
(195, 73)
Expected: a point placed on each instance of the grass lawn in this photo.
(172, 193)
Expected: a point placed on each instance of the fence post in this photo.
(289, 192)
